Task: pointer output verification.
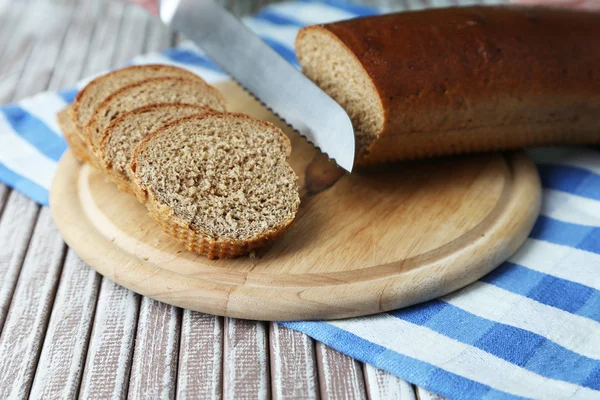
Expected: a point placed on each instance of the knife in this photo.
(265, 74)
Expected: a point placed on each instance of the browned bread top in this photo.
(92, 95)
(151, 91)
(79, 148)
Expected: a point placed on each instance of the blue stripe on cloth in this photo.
(24, 185)
(68, 95)
(270, 15)
(565, 295)
(573, 235)
(593, 379)
(415, 371)
(190, 57)
(34, 131)
(574, 180)
(356, 9)
(517, 346)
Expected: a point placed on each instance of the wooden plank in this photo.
(16, 227)
(76, 46)
(293, 364)
(200, 357)
(424, 394)
(4, 192)
(27, 319)
(154, 370)
(133, 27)
(47, 35)
(340, 377)
(381, 385)
(63, 355)
(245, 360)
(15, 57)
(108, 363)
(105, 39)
(10, 15)
(106, 372)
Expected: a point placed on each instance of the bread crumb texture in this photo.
(219, 183)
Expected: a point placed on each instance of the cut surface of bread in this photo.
(147, 92)
(95, 92)
(125, 132)
(329, 63)
(220, 183)
(78, 147)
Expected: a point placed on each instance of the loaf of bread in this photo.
(457, 80)
(147, 92)
(124, 133)
(219, 183)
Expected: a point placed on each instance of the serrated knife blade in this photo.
(264, 73)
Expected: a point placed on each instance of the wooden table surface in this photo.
(66, 331)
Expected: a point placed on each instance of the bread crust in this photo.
(89, 128)
(80, 149)
(106, 163)
(470, 79)
(181, 229)
(75, 106)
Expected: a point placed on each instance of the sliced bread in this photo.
(219, 184)
(125, 132)
(78, 147)
(95, 92)
(147, 92)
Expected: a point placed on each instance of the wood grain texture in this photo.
(108, 363)
(154, 369)
(104, 40)
(381, 385)
(133, 27)
(37, 71)
(60, 367)
(16, 227)
(76, 45)
(340, 377)
(246, 360)
(379, 239)
(293, 364)
(424, 394)
(4, 192)
(200, 357)
(26, 322)
(16, 52)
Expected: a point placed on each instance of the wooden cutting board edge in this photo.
(442, 271)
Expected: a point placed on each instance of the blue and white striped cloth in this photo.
(531, 328)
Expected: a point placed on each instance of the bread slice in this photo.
(78, 147)
(219, 184)
(94, 93)
(147, 92)
(125, 132)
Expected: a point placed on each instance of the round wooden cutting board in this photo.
(381, 238)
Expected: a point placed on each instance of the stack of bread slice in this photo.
(217, 182)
